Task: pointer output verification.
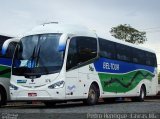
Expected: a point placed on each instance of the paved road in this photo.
(78, 110)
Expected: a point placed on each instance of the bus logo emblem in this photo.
(91, 68)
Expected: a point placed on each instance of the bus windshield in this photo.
(38, 55)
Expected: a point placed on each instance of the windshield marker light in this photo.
(62, 42)
(4, 49)
(59, 84)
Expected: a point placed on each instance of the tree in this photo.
(159, 76)
(129, 34)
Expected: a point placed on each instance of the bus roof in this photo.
(54, 27)
(61, 28)
(6, 35)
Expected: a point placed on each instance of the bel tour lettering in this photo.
(110, 66)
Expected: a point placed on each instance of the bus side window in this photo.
(1, 44)
(87, 48)
(154, 62)
(10, 50)
(151, 59)
(141, 56)
(148, 58)
(72, 54)
(134, 55)
(123, 52)
(107, 49)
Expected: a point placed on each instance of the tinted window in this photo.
(154, 63)
(1, 44)
(139, 56)
(81, 49)
(144, 57)
(0, 50)
(72, 54)
(123, 52)
(151, 59)
(10, 50)
(38, 55)
(107, 48)
(87, 48)
(134, 55)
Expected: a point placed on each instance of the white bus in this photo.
(7, 48)
(55, 62)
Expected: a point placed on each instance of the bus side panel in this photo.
(120, 78)
(88, 75)
(154, 84)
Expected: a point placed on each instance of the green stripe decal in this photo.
(123, 82)
(5, 72)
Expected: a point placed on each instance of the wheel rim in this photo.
(92, 95)
(142, 94)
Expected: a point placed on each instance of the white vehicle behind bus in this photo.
(6, 55)
(55, 62)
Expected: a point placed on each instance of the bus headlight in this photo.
(13, 87)
(59, 84)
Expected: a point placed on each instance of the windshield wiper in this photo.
(37, 57)
(37, 60)
(31, 59)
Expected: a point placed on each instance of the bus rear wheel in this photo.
(142, 95)
(92, 96)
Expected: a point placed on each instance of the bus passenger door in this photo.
(71, 84)
(72, 71)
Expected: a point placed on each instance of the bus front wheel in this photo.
(2, 97)
(92, 96)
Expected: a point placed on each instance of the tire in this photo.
(142, 95)
(50, 104)
(2, 97)
(92, 96)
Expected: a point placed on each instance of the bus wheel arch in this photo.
(142, 94)
(93, 94)
(3, 95)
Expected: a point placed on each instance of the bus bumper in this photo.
(50, 94)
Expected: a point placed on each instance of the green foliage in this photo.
(127, 33)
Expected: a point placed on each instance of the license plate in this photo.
(32, 94)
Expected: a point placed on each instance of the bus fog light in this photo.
(59, 84)
(13, 87)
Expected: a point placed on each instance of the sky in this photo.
(20, 16)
